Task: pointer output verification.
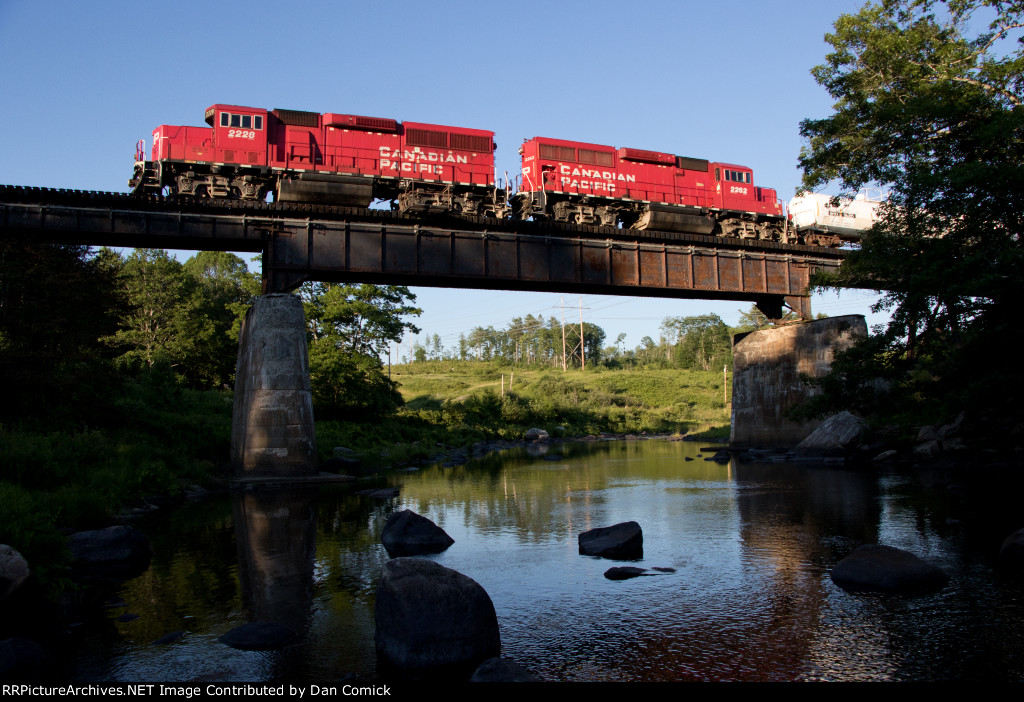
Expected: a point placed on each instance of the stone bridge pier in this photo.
(767, 366)
(272, 430)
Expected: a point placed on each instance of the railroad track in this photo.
(55, 197)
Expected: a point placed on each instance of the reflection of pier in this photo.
(275, 532)
(788, 534)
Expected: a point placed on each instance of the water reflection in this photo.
(750, 598)
(275, 533)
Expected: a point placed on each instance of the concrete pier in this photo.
(767, 365)
(272, 431)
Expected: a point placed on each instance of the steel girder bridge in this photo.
(302, 243)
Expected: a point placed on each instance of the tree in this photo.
(56, 301)
(222, 289)
(349, 327)
(593, 342)
(358, 318)
(931, 110)
(702, 342)
(186, 316)
(752, 320)
(155, 326)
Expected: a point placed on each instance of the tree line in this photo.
(701, 342)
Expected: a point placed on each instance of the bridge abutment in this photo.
(272, 430)
(767, 365)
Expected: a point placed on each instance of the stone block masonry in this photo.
(767, 365)
(272, 431)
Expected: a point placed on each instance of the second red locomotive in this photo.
(340, 159)
(569, 181)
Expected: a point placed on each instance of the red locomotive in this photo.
(339, 159)
(330, 158)
(568, 181)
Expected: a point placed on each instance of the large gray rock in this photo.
(409, 534)
(876, 568)
(14, 570)
(535, 433)
(624, 542)
(929, 449)
(838, 434)
(117, 552)
(433, 619)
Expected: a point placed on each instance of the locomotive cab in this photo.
(239, 134)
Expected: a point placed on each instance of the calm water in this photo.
(750, 598)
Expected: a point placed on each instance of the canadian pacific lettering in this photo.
(417, 160)
(586, 179)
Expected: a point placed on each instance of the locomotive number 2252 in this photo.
(241, 134)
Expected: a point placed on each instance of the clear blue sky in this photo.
(82, 82)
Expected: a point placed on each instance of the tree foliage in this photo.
(55, 301)
(752, 320)
(928, 106)
(349, 327)
(186, 316)
(702, 342)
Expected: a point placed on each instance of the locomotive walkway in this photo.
(301, 243)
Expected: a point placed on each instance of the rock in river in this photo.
(430, 618)
(876, 568)
(624, 542)
(259, 636)
(624, 572)
(409, 534)
(118, 552)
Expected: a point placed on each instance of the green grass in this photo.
(593, 399)
(457, 403)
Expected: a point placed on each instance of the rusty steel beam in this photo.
(296, 250)
(107, 226)
(441, 257)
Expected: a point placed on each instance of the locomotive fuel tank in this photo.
(847, 219)
(674, 219)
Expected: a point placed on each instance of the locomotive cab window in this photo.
(737, 176)
(241, 121)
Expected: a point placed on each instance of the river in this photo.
(748, 598)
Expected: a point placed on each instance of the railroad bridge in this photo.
(303, 243)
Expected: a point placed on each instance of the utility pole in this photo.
(583, 360)
(561, 308)
(582, 347)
